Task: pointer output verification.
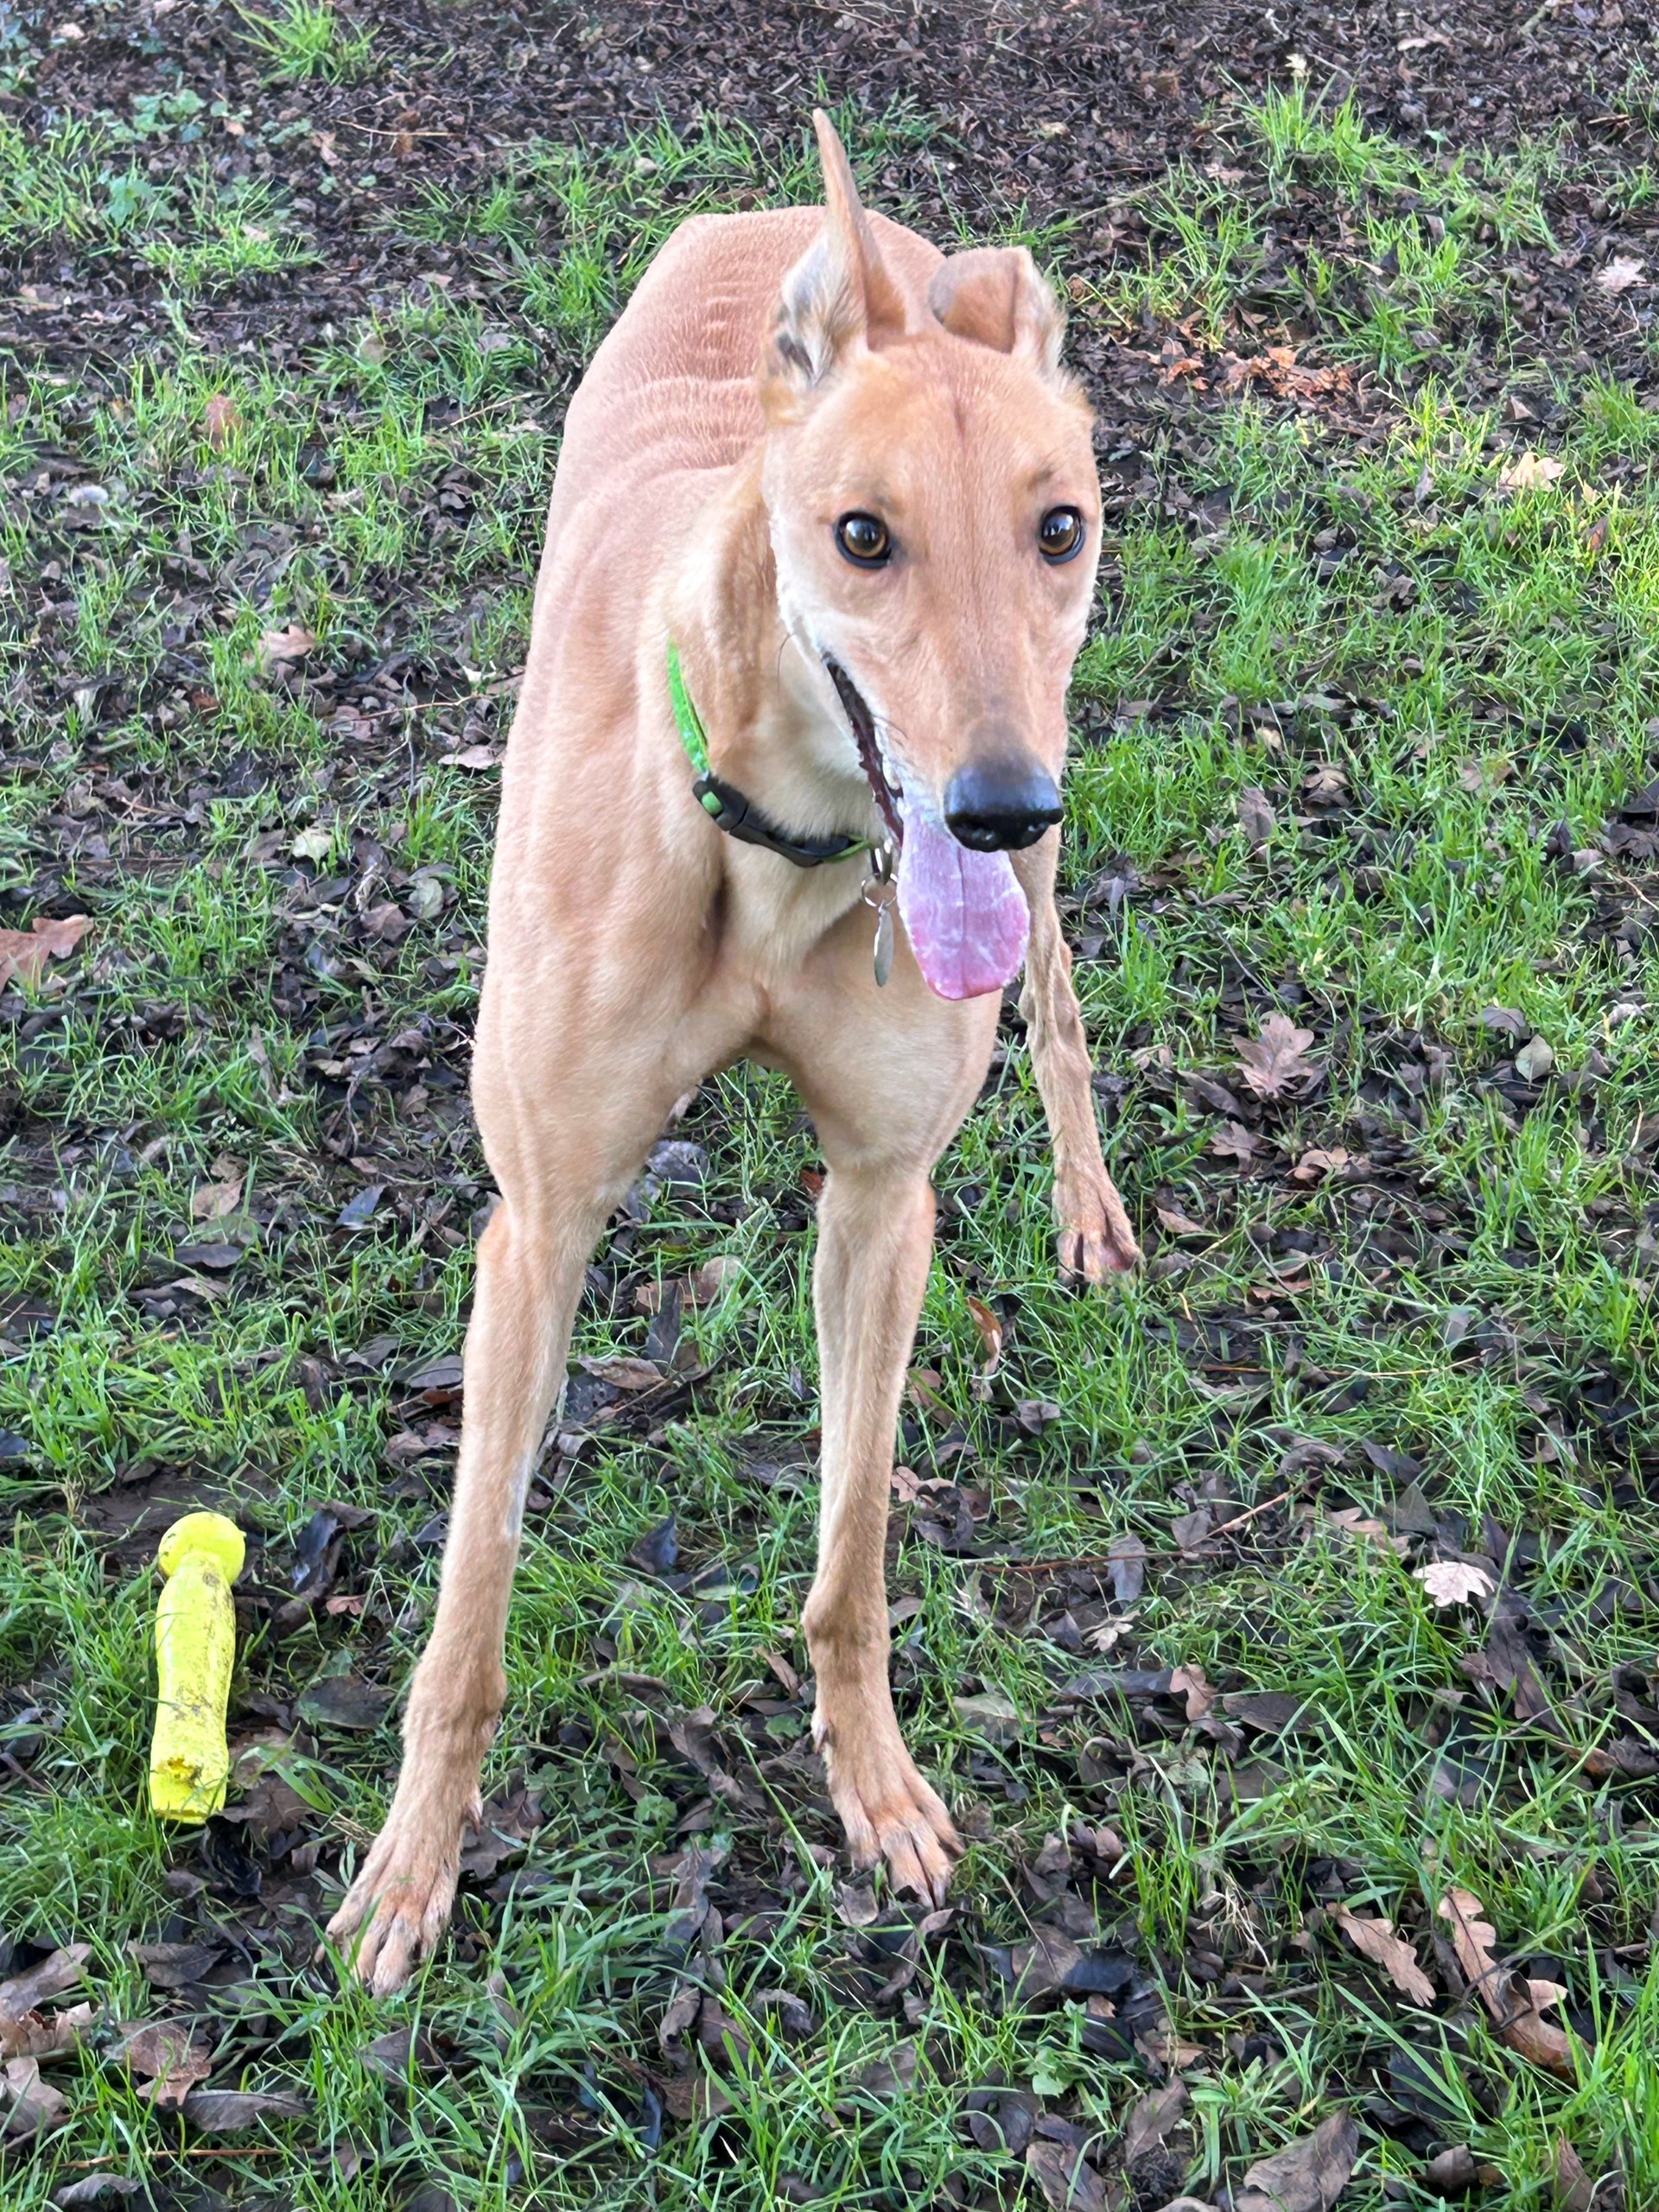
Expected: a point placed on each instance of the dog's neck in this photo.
(774, 727)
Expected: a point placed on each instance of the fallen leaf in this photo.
(894, 2071)
(26, 1993)
(1151, 2119)
(1180, 1224)
(477, 758)
(314, 844)
(1379, 1943)
(989, 1323)
(1325, 784)
(227, 2112)
(1515, 2003)
(1234, 1141)
(32, 2105)
(622, 1372)
(1317, 1161)
(1532, 472)
(168, 2057)
(1453, 1582)
(713, 1279)
(174, 1966)
(1068, 2182)
(220, 417)
(1189, 1682)
(1618, 273)
(24, 953)
(45, 2035)
(213, 1201)
(657, 1549)
(1255, 816)
(1273, 1060)
(280, 651)
(344, 1701)
(1574, 2190)
(1452, 2170)
(1307, 2176)
(1535, 1060)
(1126, 1558)
(990, 1715)
(1352, 1520)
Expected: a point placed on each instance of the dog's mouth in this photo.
(963, 912)
(886, 786)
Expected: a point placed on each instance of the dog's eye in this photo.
(1060, 534)
(864, 539)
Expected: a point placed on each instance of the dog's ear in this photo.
(997, 296)
(840, 294)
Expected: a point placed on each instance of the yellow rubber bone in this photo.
(195, 1646)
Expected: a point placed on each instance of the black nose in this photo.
(997, 806)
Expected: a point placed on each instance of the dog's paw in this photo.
(1095, 1239)
(891, 1814)
(397, 1908)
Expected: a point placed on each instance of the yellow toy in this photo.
(195, 1645)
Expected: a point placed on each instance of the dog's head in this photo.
(935, 514)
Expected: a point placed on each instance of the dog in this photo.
(821, 552)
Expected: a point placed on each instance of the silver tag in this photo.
(883, 941)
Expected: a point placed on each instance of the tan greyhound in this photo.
(832, 609)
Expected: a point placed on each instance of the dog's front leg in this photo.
(530, 1276)
(875, 1237)
(1095, 1238)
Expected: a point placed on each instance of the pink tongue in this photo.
(964, 912)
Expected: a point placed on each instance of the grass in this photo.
(1422, 672)
(309, 39)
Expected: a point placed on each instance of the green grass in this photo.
(309, 39)
(1375, 619)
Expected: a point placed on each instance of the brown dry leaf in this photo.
(1532, 472)
(166, 2054)
(1162, 2044)
(282, 651)
(1618, 274)
(1234, 1141)
(990, 1325)
(213, 1201)
(25, 1992)
(712, 1279)
(623, 1372)
(1273, 1060)
(1255, 816)
(220, 417)
(42, 2035)
(1151, 2120)
(1068, 2183)
(475, 757)
(1325, 784)
(1515, 2003)
(1190, 1683)
(31, 2105)
(1574, 2190)
(1307, 2176)
(1317, 1161)
(1377, 1940)
(1180, 1224)
(24, 953)
(1351, 1521)
(1453, 1582)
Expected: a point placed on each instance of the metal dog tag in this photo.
(879, 882)
(883, 941)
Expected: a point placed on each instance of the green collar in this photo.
(726, 806)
